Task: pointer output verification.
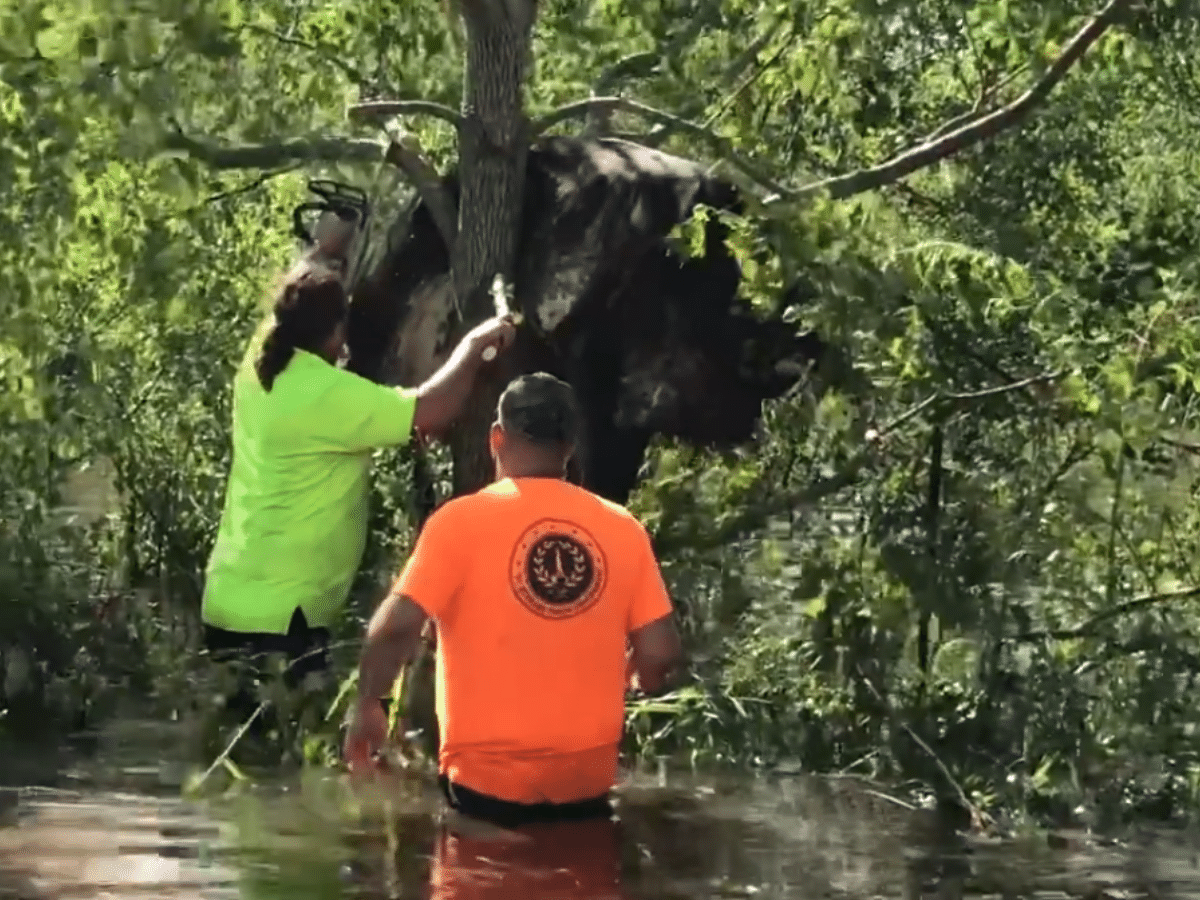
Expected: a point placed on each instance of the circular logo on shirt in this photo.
(557, 569)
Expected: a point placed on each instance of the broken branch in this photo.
(405, 153)
(982, 129)
(272, 156)
(380, 108)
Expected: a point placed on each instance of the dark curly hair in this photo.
(310, 305)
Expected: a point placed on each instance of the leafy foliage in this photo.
(979, 535)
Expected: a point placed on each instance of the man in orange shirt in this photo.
(536, 587)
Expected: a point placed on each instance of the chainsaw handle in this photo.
(343, 211)
(299, 229)
(335, 193)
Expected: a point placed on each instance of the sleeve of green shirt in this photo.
(356, 415)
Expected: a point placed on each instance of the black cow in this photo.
(651, 342)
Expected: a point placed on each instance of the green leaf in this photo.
(57, 42)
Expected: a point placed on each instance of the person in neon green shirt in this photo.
(294, 524)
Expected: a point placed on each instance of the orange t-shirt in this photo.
(535, 585)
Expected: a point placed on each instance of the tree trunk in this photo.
(933, 508)
(493, 146)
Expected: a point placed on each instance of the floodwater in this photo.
(117, 827)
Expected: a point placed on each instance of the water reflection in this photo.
(572, 861)
(66, 844)
(317, 839)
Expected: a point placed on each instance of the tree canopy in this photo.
(981, 534)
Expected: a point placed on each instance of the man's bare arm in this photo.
(393, 635)
(657, 654)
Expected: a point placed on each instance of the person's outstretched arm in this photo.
(357, 415)
(426, 587)
(440, 399)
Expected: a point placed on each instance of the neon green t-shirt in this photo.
(294, 525)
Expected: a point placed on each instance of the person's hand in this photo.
(496, 334)
(366, 734)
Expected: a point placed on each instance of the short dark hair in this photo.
(541, 409)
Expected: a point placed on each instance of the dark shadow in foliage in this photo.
(653, 343)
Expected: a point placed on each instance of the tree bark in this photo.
(493, 146)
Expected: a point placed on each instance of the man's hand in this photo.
(366, 734)
(496, 334)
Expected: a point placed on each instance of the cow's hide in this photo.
(651, 342)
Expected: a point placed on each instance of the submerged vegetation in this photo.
(964, 557)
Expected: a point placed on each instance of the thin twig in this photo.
(977, 817)
(329, 54)
(728, 102)
(250, 186)
(640, 65)
(224, 755)
(865, 459)
(977, 111)
(631, 66)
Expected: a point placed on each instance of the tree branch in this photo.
(978, 111)
(404, 153)
(272, 156)
(388, 108)
(1088, 628)
(758, 72)
(632, 66)
(640, 65)
(1181, 445)
(980, 130)
(978, 819)
(603, 105)
(248, 187)
(327, 53)
(635, 65)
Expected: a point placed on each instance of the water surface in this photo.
(119, 828)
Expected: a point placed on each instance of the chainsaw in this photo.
(352, 210)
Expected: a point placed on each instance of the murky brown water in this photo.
(119, 829)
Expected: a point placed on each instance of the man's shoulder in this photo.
(611, 514)
(616, 510)
(457, 509)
